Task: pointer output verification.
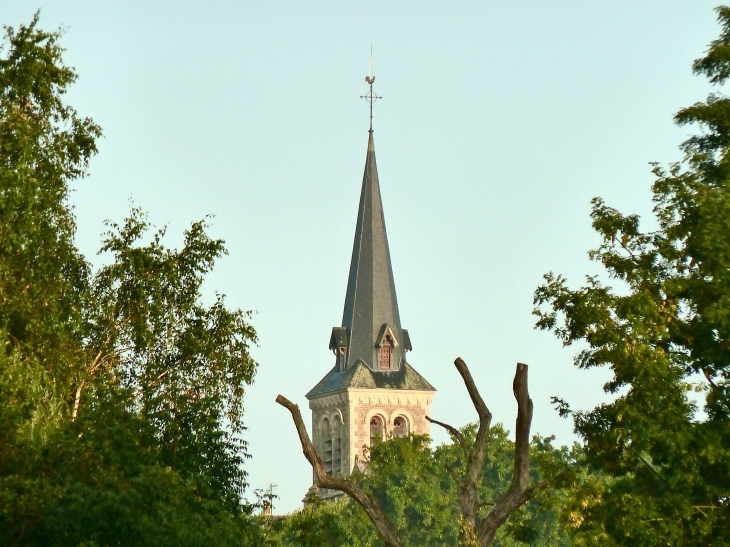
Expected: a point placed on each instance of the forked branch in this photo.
(476, 531)
(519, 490)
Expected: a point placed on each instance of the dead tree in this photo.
(474, 531)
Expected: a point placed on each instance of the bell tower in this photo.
(372, 392)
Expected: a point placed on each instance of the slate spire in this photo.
(370, 346)
(371, 315)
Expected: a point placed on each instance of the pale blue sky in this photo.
(500, 121)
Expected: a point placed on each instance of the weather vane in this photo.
(371, 97)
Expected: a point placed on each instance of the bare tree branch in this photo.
(456, 433)
(519, 490)
(521, 476)
(476, 398)
(475, 531)
(386, 531)
(467, 489)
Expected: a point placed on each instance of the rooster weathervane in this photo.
(371, 97)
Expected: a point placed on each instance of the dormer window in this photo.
(385, 344)
(385, 351)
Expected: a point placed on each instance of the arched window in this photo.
(400, 427)
(327, 446)
(337, 448)
(376, 429)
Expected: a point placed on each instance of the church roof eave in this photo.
(360, 376)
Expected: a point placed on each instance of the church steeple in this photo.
(371, 393)
(370, 346)
(371, 317)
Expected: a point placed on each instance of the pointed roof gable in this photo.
(371, 302)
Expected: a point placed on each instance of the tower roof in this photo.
(370, 319)
(360, 376)
(371, 305)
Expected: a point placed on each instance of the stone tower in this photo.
(372, 392)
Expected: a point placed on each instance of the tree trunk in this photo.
(475, 532)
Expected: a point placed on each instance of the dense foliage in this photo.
(411, 482)
(664, 331)
(120, 391)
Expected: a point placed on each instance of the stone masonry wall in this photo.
(355, 407)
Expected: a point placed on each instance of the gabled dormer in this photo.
(385, 344)
(339, 342)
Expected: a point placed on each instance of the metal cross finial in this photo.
(371, 97)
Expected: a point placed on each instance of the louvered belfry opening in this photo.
(400, 427)
(385, 354)
(337, 446)
(376, 429)
(327, 445)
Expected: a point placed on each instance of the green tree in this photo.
(340, 522)
(410, 482)
(186, 364)
(121, 392)
(44, 147)
(664, 332)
